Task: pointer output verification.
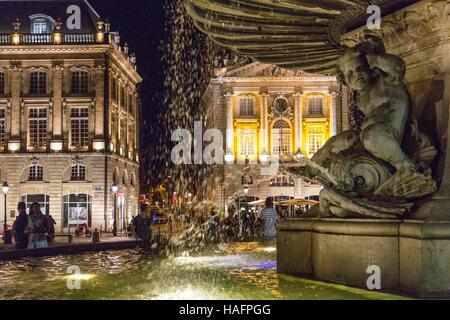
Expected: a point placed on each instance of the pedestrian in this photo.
(269, 215)
(142, 225)
(51, 223)
(36, 228)
(19, 226)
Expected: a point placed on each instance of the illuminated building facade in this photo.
(69, 113)
(265, 111)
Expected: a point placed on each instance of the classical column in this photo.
(14, 141)
(265, 122)
(333, 113)
(230, 126)
(99, 135)
(57, 141)
(298, 114)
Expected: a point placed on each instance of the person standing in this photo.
(37, 228)
(142, 225)
(270, 216)
(20, 225)
(51, 228)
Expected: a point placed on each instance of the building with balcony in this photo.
(265, 111)
(69, 113)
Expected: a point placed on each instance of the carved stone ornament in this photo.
(383, 168)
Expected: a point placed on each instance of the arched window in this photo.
(315, 105)
(80, 82)
(133, 180)
(36, 173)
(78, 173)
(41, 23)
(281, 138)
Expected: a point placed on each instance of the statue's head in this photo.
(354, 69)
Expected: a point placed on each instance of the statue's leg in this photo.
(381, 140)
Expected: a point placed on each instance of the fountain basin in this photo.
(412, 256)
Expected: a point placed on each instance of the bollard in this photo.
(96, 236)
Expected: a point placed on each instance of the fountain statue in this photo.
(380, 170)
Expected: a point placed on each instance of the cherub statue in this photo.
(378, 170)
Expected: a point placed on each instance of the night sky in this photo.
(141, 24)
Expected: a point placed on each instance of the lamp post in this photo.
(6, 233)
(115, 189)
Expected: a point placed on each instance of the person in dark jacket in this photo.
(142, 225)
(20, 225)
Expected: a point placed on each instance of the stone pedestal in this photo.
(413, 256)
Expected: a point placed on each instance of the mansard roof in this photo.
(24, 9)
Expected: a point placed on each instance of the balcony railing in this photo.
(79, 38)
(36, 38)
(48, 38)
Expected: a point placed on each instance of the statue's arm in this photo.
(393, 66)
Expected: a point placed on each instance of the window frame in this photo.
(38, 119)
(79, 82)
(246, 110)
(40, 88)
(38, 173)
(313, 110)
(81, 117)
(80, 172)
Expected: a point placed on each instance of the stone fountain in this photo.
(386, 200)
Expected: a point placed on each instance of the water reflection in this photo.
(240, 271)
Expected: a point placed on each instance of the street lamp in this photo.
(6, 233)
(115, 189)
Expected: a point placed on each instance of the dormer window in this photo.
(41, 24)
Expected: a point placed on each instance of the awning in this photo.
(299, 202)
(260, 203)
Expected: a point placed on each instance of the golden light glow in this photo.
(315, 128)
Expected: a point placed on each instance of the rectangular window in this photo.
(79, 82)
(37, 128)
(316, 139)
(247, 143)
(246, 107)
(122, 97)
(315, 106)
(40, 26)
(2, 83)
(79, 129)
(281, 143)
(114, 89)
(2, 128)
(38, 83)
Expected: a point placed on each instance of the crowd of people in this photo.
(34, 230)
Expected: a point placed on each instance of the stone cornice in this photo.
(406, 26)
(275, 79)
(21, 50)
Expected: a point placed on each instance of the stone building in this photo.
(264, 110)
(69, 118)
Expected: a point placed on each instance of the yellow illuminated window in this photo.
(281, 138)
(247, 142)
(316, 139)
